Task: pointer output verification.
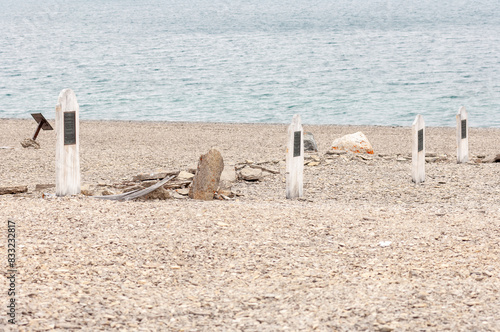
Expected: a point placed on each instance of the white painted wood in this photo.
(67, 156)
(294, 165)
(462, 143)
(418, 157)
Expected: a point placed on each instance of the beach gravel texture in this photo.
(365, 249)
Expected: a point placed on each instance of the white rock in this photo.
(357, 143)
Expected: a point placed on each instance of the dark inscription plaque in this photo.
(464, 128)
(297, 137)
(69, 128)
(420, 140)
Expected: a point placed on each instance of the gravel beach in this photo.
(365, 249)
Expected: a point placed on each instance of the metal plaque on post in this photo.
(464, 128)
(420, 140)
(69, 128)
(297, 137)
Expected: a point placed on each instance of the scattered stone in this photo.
(160, 193)
(227, 178)
(176, 195)
(183, 175)
(228, 174)
(40, 187)
(309, 142)
(496, 159)
(313, 163)
(183, 191)
(107, 192)
(13, 190)
(6, 147)
(86, 190)
(431, 159)
(30, 143)
(249, 161)
(431, 154)
(336, 152)
(206, 180)
(401, 159)
(251, 174)
(192, 169)
(357, 143)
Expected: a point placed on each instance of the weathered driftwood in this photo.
(44, 186)
(136, 193)
(13, 190)
(153, 176)
(264, 169)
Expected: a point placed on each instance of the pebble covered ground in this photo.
(365, 249)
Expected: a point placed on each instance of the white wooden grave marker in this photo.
(67, 144)
(462, 136)
(295, 159)
(418, 150)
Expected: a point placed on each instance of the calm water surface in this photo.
(333, 62)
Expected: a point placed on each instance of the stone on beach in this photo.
(309, 142)
(251, 174)
(357, 143)
(206, 180)
(30, 143)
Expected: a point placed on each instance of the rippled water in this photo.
(333, 62)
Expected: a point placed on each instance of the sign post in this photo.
(462, 136)
(67, 144)
(42, 124)
(295, 159)
(418, 150)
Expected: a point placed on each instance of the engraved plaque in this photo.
(464, 128)
(420, 140)
(69, 128)
(297, 137)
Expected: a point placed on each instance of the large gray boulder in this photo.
(206, 180)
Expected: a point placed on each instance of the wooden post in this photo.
(462, 136)
(67, 144)
(295, 159)
(418, 150)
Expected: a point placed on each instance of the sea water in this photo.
(258, 61)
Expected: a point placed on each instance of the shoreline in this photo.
(247, 123)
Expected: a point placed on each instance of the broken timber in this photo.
(13, 190)
(136, 193)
